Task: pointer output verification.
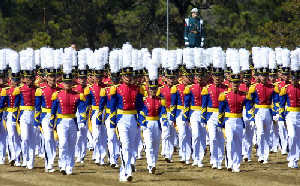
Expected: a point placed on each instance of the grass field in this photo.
(173, 174)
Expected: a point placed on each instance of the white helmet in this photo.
(194, 10)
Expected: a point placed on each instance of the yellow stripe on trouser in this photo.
(119, 111)
(233, 115)
(30, 108)
(263, 106)
(293, 109)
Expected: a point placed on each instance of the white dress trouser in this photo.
(151, 135)
(49, 144)
(198, 136)
(81, 142)
(168, 134)
(216, 139)
(3, 134)
(112, 143)
(283, 135)
(14, 141)
(293, 128)
(248, 133)
(184, 137)
(274, 136)
(127, 128)
(100, 140)
(28, 137)
(234, 136)
(67, 135)
(263, 121)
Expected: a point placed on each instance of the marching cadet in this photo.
(81, 88)
(289, 110)
(194, 30)
(153, 109)
(263, 95)
(10, 98)
(126, 102)
(65, 103)
(29, 133)
(248, 131)
(230, 116)
(98, 128)
(3, 132)
(210, 109)
(284, 76)
(42, 114)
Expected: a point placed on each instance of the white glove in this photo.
(276, 117)
(81, 125)
(252, 123)
(186, 43)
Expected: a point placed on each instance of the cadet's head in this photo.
(68, 85)
(153, 86)
(51, 80)
(263, 78)
(235, 81)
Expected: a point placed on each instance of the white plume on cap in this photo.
(2, 59)
(140, 59)
(146, 57)
(207, 57)
(218, 58)
(67, 61)
(114, 61)
(43, 56)
(244, 59)
(134, 57)
(49, 58)
(285, 56)
(14, 61)
(198, 57)
(90, 58)
(272, 59)
(82, 60)
(264, 57)
(57, 58)
(172, 59)
(27, 59)
(152, 67)
(105, 54)
(233, 58)
(164, 58)
(179, 57)
(256, 54)
(156, 56)
(295, 60)
(278, 55)
(99, 57)
(120, 52)
(127, 55)
(188, 58)
(37, 57)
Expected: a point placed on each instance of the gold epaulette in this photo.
(38, 92)
(205, 90)
(82, 97)
(113, 90)
(173, 89)
(163, 102)
(283, 90)
(16, 91)
(252, 89)
(187, 89)
(86, 91)
(222, 96)
(54, 95)
(102, 92)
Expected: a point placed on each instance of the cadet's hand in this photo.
(276, 117)
(252, 123)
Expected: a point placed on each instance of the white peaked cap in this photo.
(57, 58)
(244, 59)
(67, 61)
(99, 59)
(37, 57)
(127, 55)
(156, 56)
(179, 57)
(256, 54)
(120, 52)
(82, 60)
(272, 59)
(2, 59)
(172, 58)
(14, 61)
(285, 56)
(134, 57)
(114, 61)
(90, 58)
(234, 60)
(218, 57)
(198, 57)
(278, 55)
(295, 60)
(188, 58)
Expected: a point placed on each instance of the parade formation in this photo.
(59, 103)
